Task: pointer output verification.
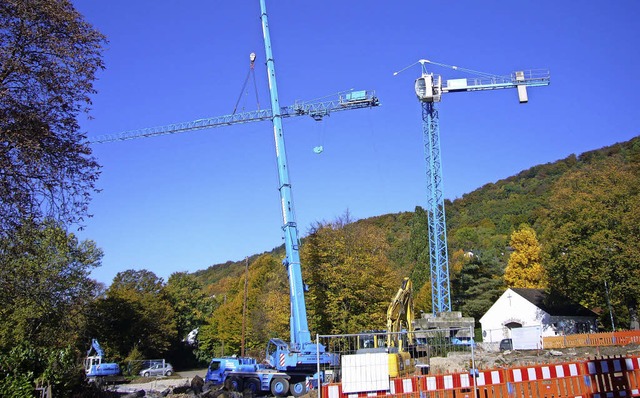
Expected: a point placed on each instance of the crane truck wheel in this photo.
(298, 388)
(252, 384)
(280, 387)
(235, 383)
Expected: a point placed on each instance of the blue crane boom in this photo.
(343, 101)
(298, 358)
(429, 89)
(301, 355)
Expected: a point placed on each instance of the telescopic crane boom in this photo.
(429, 89)
(298, 359)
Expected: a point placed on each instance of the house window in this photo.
(582, 327)
(513, 325)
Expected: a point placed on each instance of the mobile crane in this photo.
(429, 89)
(290, 364)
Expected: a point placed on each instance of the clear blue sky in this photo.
(184, 202)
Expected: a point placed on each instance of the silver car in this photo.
(157, 370)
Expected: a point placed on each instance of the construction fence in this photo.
(377, 363)
(367, 360)
(592, 339)
(596, 378)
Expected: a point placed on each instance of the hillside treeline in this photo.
(572, 226)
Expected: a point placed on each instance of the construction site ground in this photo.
(454, 362)
(461, 361)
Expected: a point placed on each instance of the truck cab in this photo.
(219, 368)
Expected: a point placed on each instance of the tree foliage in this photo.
(45, 291)
(339, 258)
(48, 60)
(418, 249)
(189, 301)
(25, 363)
(524, 269)
(267, 312)
(592, 236)
(351, 281)
(134, 313)
(44, 285)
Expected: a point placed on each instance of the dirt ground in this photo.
(460, 361)
(453, 363)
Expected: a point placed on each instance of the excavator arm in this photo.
(400, 315)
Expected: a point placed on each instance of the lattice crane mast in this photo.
(429, 89)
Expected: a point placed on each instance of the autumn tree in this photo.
(268, 308)
(351, 281)
(48, 60)
(593, 235)
(267, 313)
(524, 269)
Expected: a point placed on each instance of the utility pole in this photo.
(244, 303)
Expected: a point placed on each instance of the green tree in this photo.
(45, 286)
(478, 284)
(48, 60)
(45, 291)
(419, 250)
(24, 363)
(592, 237)
(134, 312)
(524, 268)
(189, 301)
(476, 267)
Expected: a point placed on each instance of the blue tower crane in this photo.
(429, 89)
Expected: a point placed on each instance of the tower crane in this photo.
(429, 89)
(291, 363)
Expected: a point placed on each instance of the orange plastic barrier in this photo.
(614, 377)
(592, 339)
(557, 380)
(633, 375)
(595, 378)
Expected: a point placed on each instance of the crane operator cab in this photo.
(429, 87)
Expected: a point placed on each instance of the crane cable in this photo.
(252, 58)
(426, 61)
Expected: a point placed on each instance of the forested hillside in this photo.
(571, 226)
(579, 214)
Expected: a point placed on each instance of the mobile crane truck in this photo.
(291, 364)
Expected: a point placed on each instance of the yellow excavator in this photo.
(400, 319)
(399, 337)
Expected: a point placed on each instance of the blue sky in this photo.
(184, 202)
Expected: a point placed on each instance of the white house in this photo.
(522, 308)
